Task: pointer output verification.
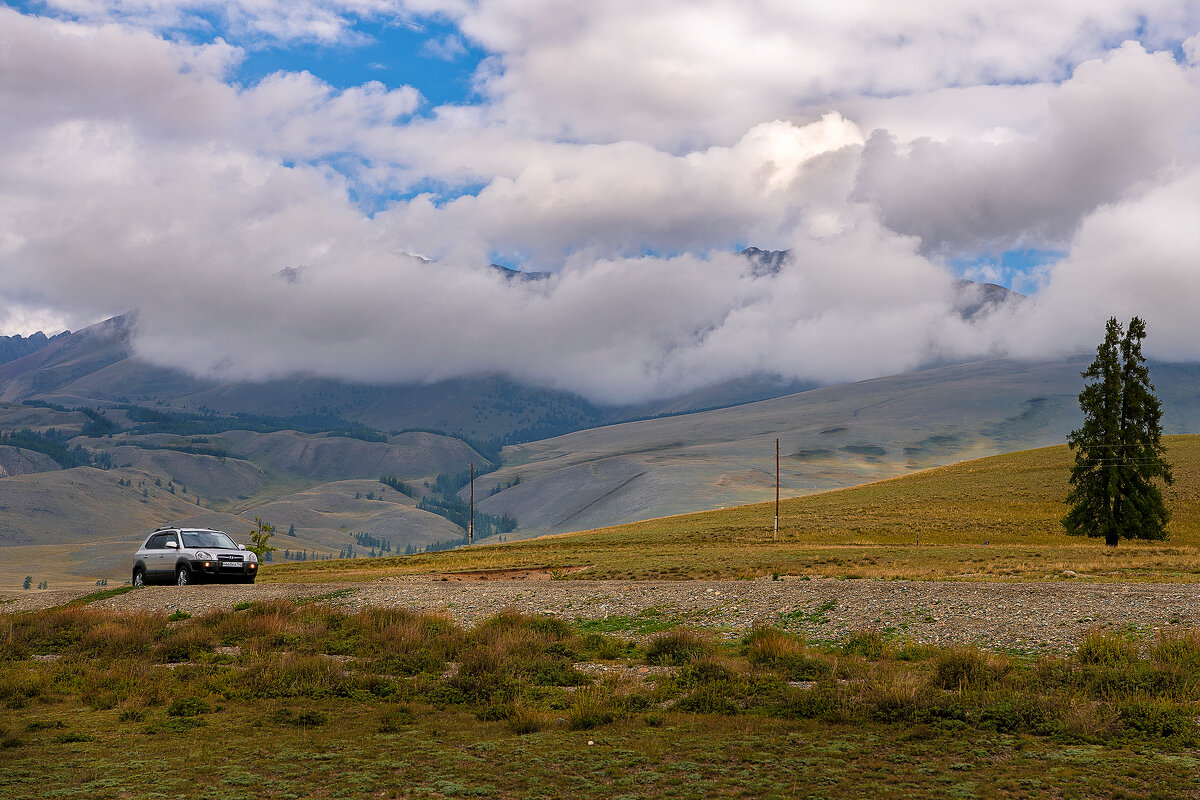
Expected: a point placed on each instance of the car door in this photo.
(160, 559)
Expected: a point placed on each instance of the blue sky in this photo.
(394, 54)
(156, 152)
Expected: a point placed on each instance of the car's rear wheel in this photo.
(183, 576)
(139, 577)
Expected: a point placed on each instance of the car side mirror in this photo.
(241, 547)
(172, 545)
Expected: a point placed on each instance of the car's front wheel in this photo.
(139, 577)
(183, 576)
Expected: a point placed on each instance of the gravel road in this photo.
(1049, 616)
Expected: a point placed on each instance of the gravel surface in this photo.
(1016, 616)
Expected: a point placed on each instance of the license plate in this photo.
(231, 564)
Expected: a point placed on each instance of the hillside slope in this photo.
(829, 438)
(996, 518)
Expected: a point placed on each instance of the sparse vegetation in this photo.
(349, 703)
(54, 444)
(445, 502)
(399, 485)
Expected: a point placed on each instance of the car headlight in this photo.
(204, 555)
(252, 558)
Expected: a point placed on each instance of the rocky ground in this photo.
(1032, 617)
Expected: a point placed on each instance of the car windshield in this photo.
(208, 539)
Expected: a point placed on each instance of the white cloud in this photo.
(324, 21)
(135, 172)
(682, 73)
(1114, 124)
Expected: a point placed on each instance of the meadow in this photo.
(994, 518)
(291, 700)
(294, 699)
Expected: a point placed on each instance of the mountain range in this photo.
(98, 447)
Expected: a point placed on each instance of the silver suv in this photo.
(191, 555)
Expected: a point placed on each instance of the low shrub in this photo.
(967, 668)
(898, 696)
(1177, 649)
(708, 699)
(868, 644)
(604, 648)
(292, 675)
(1157, 718)
(1108, 649)
(188, 707)
(396, 720)
(786, 653)
(20, 683)
(592, 707)
(1021, 714)
(677, 647)
(185, 643)
(129, 636)
(822, 701)
(523, 720)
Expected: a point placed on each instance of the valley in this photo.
(101, 447)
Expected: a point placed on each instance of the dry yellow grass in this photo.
(994, 518)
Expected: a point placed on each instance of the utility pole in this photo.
(471, 524)
(775, 536)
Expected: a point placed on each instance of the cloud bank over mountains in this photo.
(625, 149)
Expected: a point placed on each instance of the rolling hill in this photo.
(829, 438)
(995, 518)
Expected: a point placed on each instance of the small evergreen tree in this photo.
(260, 538)
(28, 581)
(1118, 450)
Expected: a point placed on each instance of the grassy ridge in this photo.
(993, 518)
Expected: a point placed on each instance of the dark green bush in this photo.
(819, 702)
(604, 648)
(708, 699)
(188, 707)
(1021, 714)
(868, 644)
(1157, 718)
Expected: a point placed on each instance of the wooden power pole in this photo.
(775, 536)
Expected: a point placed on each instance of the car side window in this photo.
(159, 542)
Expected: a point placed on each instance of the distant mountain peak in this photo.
(14, 347)
(510, 274)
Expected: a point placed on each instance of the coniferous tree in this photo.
(1118, 450)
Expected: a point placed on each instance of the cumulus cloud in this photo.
(346, 232)
(684, 72)
(1115, 123)
(324, 21)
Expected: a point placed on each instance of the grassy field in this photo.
(991, 519)
(288, 700)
